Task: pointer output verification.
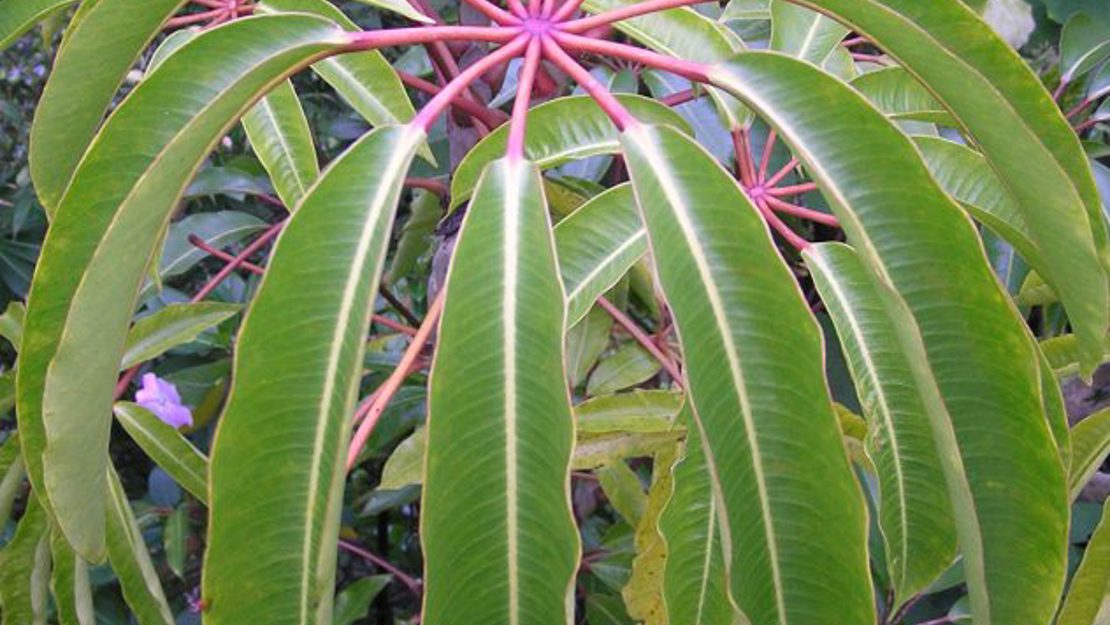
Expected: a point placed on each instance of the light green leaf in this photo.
(19, 16)
(586, 340)
(624, 491)
(354, 601)
(597, 245)
(598, 450)
(172, 326)
(166, 447)
(405, 466)
(217, 229)
(98, 51)
(127, 551)
(915, 515)
(803, 33)
(1090, 444)
(25, 569)
(171, 44)
(896, 93)
(747, 10)
(637, 411)
(69, 582)
(505, 549)
(628, 366)
(558, 132)
(400, 7)
(1088, 599)
(972, 357)
(745, 328)
(644, 592)
(1084, 44)
(417, 235)
(998, 100)
(297, 369)
(11, 323)
(123, 196)
(279, 135)
(1062, 353)
(175, 533)
(11, 475)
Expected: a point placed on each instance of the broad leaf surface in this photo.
(280, 137)
(167, 447)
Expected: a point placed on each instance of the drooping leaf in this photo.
(297, 368)
(624, 491)
(418, 234)
(130, 559)
(279, 135)
(1088, 598)
(586, 340)
(405, 466)
(1090, 439)
(505, 549)
(895, 92)
(19, 16)
(100, 47)
(803, 33)
(915, 514)
(637, 411)
(970, 351)
(69, 583)
(744, 329)
(1062, 353)
(174, 325)
(1084, 45)
(166, 447)
(11, 324)
(644, 592)
(354, 601)
(11, 475)
(124, 193)
(25, 569)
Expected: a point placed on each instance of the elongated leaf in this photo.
(597, 245)
(1090, 446)
(11, 475)
(624, 491)
(1062, 353)
(175, 533)
(897, 93)
(1084, 44)
(217, 229)
(505, 549)
(558, 132)
(174, 325)
(400, 7)
(638, 411)
(127, 551)
(586, 341)
(98, 51)
(997, 99)
(695, 587)
(19, 16)
(915, 514)
(354, 602)
(280, 137)
(166, 447)
(69, 582)
(803, 33)
(628, 366)
(25, 569)
(972, 356)
(644, 592)
(124, 194)
(1088, 599)
(297, 369)
(418, 235)
(11, 324)
(744, 330)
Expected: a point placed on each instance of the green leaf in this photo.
(174, 325)
(418, 234)
(171, 44)
(218, 229)
(603, 609)
(11, 324)
(744, 329)
(123, 196)
(896, 93)
(1062, 353)
(599, 450)
(644, 592)
(1084, 44)
(1090, 444)
(400, 7)
(166, 447)
(505, 549)
(803, 33)
(624, 491)
(637, 411)
(695, 587)
(998, 100)
(405, 466)
(69, 583)
(98, 51)
(747, 10)
(279, 135)
(628, 366)
(972, 356)
(1088, 599)
(597, 245)
(915, 515)
(558, 132)
(11, 476)
(19, 16)
(25, 569)
(354, 601)
(586, 340)
(175, 533)
(127, 551)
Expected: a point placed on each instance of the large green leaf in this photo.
(897, 93)
(558, 132)
(297, 370)
(971, 354)
(130, 559)
(280, 137)
(25, 569)
(19, 16)
(1090, 446)
(695, 587)
(69, 582)
(123, 195)
(98, 51)
(745, 330)
(998, 101)
(174, 325)
(915, 514)
(11, 475)
(503, 550)
(166, 447)
(803, 33)
(1088, 600)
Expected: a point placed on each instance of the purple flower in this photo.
(161, 398)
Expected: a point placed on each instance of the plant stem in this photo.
(515, 146)
(869, 58)
(495, 13)
(696, 72)
(801, 211)
(411, 583)
(641, 337)
(566, 10)
(490, 117)
(398, 305)
(681, 97)
(374, 39)
(608, 17)
(778, 226)
(195, 18)
(200, 244)
(428, 184)
(608, 103)
(796, 189)
(765, 161)
(782, 173)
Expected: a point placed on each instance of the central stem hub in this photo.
(537, 26)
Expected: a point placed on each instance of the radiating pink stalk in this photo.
(373, 39)
(534, 8)
(195, 18)
(495, 13)
(797, 189)
(515, 147)
(442, 100)
(566, 10)
(681, 97)
(548, 9)
(608, 103)
(608, 17)
(490, 117)
(516, 7)
(778, 226)
(801, 211)
(765, 160)
(782, 173)
(696, 72)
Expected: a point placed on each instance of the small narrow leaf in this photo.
(130, 559)
(1090, 444)
(353, 603)
(69, 583)
(279, 135)
(624, 491)
(628, 366)
(644, 593)
(25, 569)
(803, 33)
(401, 8)
(11, 475)
(638, 411)
(174, 325)
(586, 340)
(19, 16)
(175, 533)
(1088, 598)
(166, 447)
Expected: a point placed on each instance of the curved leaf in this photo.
(127, 551)
(98, 51)
(1088, 600)
(25, 568)
(998, 100)
(643, 595)
(69, 582)
(1084, 44)
(11, 475)
(166, 447)
(505, 549)
(915, 515)
(1090, 445)
(297, 370)
(895, 92)
(558, 132)
(744, 330)
(19, 16)
(401, 8)
(174, 325)
(972, 356)
(638, 411)
(124, 193)
(802, 33)
(279, 135)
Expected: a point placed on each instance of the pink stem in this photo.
(442, 100)
(495, 13)
(412, 584)
(566, 10)
(1059, 93)
(548, 9)
(608, 103)
(517, 8)
(782, 173)
(744, 167)
(778, 226)
(854, 41)
(534, 8)
(195, 18)
(800, 211)
(490, 117)
(515, 148)
(608, 17)
(1079, 108)
(696, 72)
(373, 39)
(1090, 123)
(797, 189)
(765, 160)
(227, 269)
(681, 97)
(870, 58)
